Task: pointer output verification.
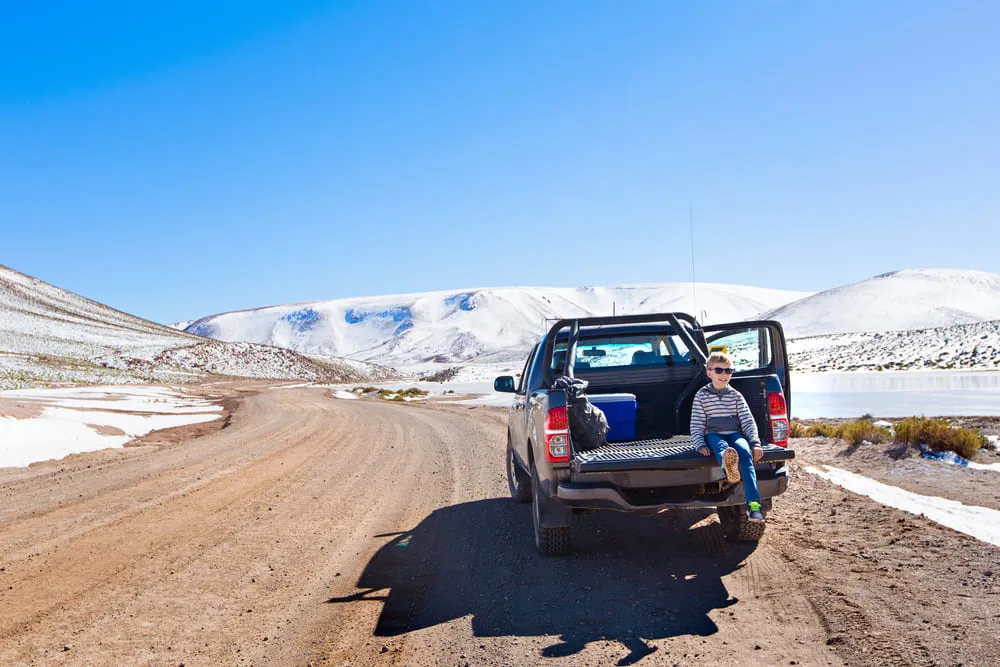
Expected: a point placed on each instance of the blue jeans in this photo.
(719, 442)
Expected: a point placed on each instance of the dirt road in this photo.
(325, 531)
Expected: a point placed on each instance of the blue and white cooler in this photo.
(620, 412)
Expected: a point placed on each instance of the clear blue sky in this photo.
(188, 158)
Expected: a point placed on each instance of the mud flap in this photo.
(553, 513)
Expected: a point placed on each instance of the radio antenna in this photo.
(694, 292)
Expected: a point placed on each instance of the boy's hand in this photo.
(758, 453)
(705, 451)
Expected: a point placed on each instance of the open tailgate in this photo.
(675, 453)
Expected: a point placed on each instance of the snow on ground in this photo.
(74, 420)
(955, 347)
(343, 393)
(979, 522)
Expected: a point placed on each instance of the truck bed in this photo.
(675, 453)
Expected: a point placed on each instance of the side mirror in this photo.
(504, 383)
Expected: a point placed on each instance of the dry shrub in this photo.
(798, 430)
(824, 431)
(940, 436)
(863, 430)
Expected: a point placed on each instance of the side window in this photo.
(750, 349)
(522, 382)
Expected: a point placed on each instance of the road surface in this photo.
(316, 530)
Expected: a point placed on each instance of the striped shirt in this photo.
(725, 411)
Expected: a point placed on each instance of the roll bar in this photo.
(683, 325)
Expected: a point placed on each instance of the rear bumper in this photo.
(607, 496)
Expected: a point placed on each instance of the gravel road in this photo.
(305, 529)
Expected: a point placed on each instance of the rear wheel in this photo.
(518, 480)
(737, 527)
(549, 540)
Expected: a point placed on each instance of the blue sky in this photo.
(190, 158)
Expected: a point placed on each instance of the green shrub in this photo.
(859, 431)
(824, 431)
(798, 430)
(940, 436)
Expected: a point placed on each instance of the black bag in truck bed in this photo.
(675, 453)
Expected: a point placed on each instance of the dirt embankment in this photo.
(316, 530)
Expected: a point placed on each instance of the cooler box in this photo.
(620, 411)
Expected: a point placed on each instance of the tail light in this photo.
(557, 435)
(778, 412)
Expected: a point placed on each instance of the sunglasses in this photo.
(719, 369)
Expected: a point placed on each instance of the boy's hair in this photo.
(718, 358)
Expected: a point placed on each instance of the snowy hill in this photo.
(897, 301)
(413, 330)
(50, 335)
(958, 347)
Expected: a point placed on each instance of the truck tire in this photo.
(518, 480)
(549, 540)
(737, 527)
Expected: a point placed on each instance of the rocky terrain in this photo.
(51, 336)
(958, 347)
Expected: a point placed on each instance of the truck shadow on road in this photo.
(630, 577)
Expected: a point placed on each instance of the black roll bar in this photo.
(683, 325)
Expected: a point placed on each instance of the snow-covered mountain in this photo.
(897, 301)
(50, 335)
(412, 330)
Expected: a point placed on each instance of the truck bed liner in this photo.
(674, 453)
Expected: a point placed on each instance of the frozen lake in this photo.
(895, 393)
(882, 394)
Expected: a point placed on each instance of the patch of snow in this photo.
(63, 428)
(981, 523)
(341, 393)
(496, 399)
(116, 398)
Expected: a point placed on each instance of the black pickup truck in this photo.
(643, 372)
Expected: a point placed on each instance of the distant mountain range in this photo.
(938, 318)
(499, 324)
(411, 330)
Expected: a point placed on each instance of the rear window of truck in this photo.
(621, 351)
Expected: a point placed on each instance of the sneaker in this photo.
(731, 464)
(753, 512)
